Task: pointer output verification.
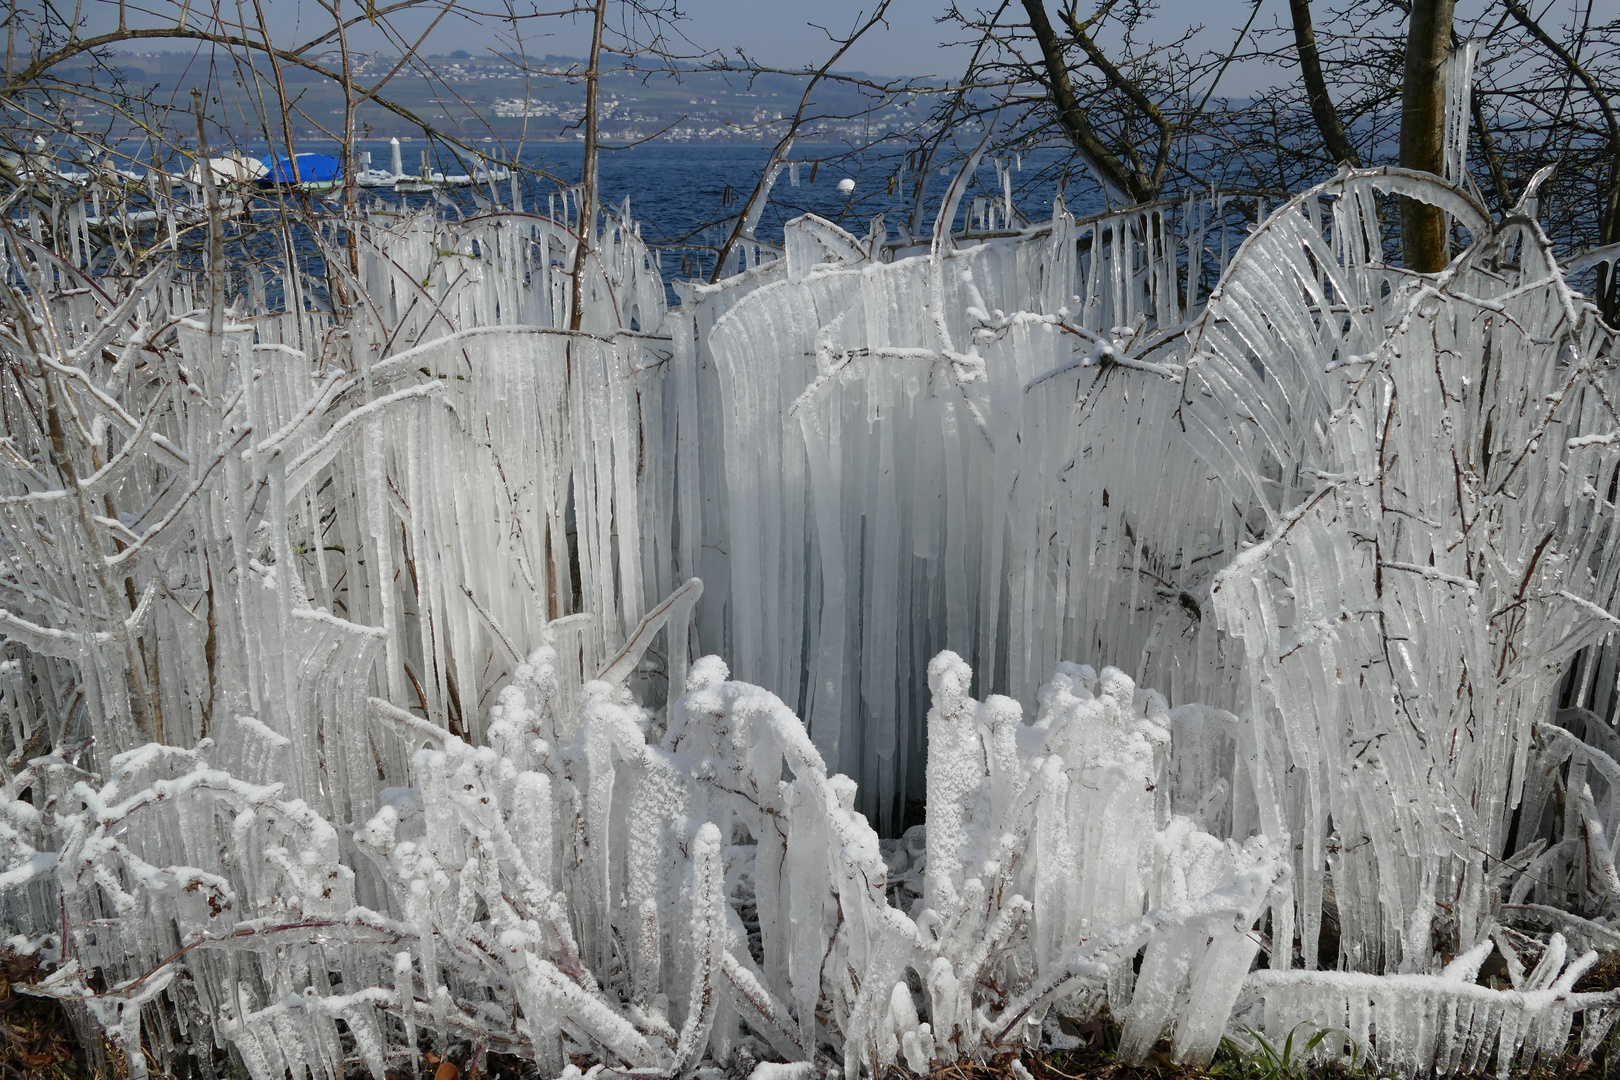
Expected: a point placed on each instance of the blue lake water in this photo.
(685, 196)
(676, 188)
(681, 193)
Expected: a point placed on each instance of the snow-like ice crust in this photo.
(357, 684)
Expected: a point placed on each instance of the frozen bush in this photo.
(359, 677)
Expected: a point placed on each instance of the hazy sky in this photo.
(779, 32)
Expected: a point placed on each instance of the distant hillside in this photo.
(498, 98)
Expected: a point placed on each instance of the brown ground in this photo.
(37, 1043)
(35, 1039)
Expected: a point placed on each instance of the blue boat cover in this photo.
(301, 168)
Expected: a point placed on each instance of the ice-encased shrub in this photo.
(346, 653)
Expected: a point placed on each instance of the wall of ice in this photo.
(357, 664)
(960, 449)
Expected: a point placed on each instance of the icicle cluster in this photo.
(1434, 468)
(908, 466)
(565, 888)
(351, 679)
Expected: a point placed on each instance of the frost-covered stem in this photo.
(1597, 844)
(647, 958)
(677, 605)
(770, 1019)
(140, 697)
(708, 918)
(210, 645)
(216, 238)
(587, 174)
(249, 930)
(762, 190)
(216, 331)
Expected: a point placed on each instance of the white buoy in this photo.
(395, 162)
(846, 185)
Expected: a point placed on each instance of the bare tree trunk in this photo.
(1310, 72)
(1113, 172)
(587, 175)
(1423, 116)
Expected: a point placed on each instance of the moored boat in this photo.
(230, 169)
(306, 172)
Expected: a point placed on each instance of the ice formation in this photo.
(363, 676)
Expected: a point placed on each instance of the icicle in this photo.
(1459, 90)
